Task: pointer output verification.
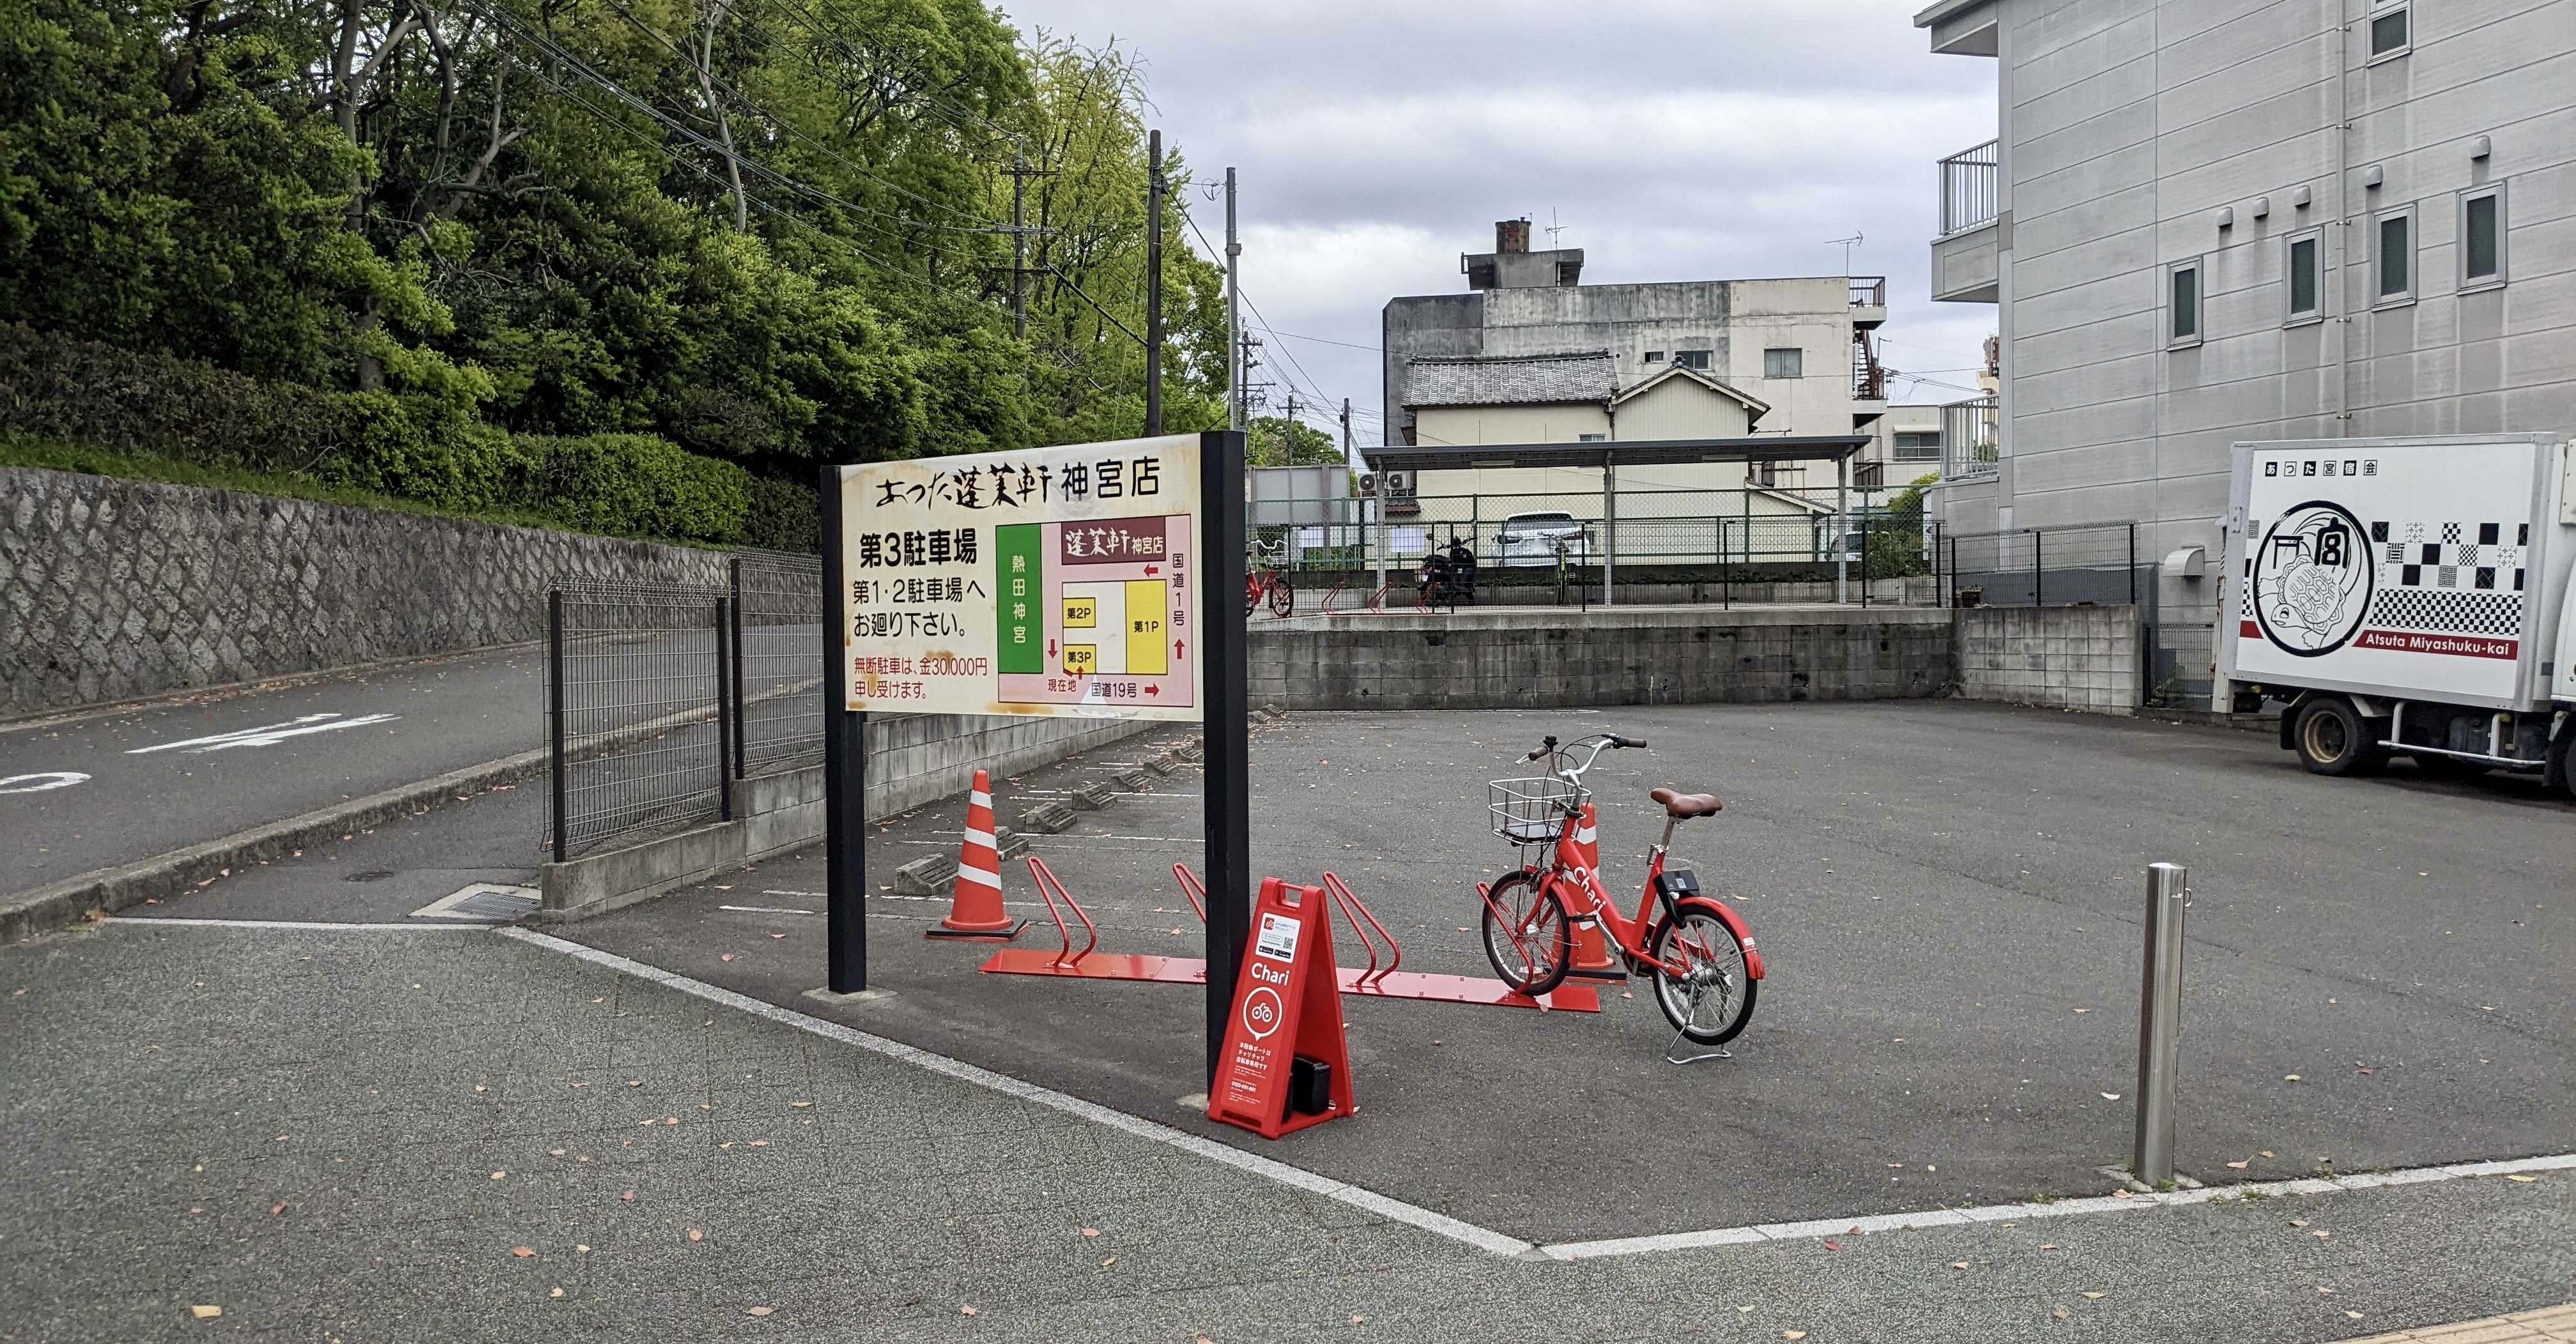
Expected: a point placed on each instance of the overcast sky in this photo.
(1375, 140)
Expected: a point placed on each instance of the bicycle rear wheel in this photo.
(1711, 998)
(1532, 952)
(1283, 596)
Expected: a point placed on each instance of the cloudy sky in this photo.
(1375, 140)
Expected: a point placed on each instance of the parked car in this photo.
(1530, 540)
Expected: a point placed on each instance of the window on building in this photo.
(2482, 237)
(1918, 445)
(1591, 438)
(2182, 307)
(1784, 362)
(1692, 359)
(2303, 270)
(2391, 30)
(1869, 475)
(2393, 260)
(1654, 356)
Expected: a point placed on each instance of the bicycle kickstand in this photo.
(1720, 1053)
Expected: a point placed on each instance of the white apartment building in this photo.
(2205, 221)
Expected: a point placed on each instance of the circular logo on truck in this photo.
(2313, 579)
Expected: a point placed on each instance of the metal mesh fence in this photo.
(2044, 567)
(636, 678)
(1790, 523)
(778, 645)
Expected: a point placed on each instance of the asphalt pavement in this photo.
(220, 1132)
(1948, 897)
(96, 790)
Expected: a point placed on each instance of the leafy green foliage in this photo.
(444, 240)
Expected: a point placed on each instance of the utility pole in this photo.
(1238, 368)
(1019, 252)
(1346, 429)
(1288, 433)
(1154, 284)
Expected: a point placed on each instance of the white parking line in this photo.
(269, 735)
(1485, 1239)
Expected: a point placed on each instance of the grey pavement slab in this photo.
(304, 1129)
(1947, 896)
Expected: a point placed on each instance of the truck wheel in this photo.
(2333, 739)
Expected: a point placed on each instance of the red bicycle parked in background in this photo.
(1695, 947)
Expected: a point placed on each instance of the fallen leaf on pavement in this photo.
(2121, 1194)
(276, 1209)
(629, 1197)
(2110, 1096)
(800, 1105)
(963, 1310)
(1108, 1262)
(1832, 1245)
(778, 935)
(1793, 1334)
(205, 1313)
(2093, 1297)
(1359, 1320)
(523, 1252)
(1958, 1264)
(1091, 1231)
(2239, 1166)
(726, 957)
(2084, 1010)
(2048, 1245)
(760, 1311)
(2058, 1312)
(554, 1152)
(2353, 1314)
(2526, 1180)
(2289, 1077)
(760, 1143)
(2265, 1153)
(2319, 1232)
(498, 1175)
(2298, 1222)
(580, 1250)
(696, 1235)
(554, 1292)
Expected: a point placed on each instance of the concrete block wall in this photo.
(919, 758)
(111, 589)
(1490, 659)
(2060, 657)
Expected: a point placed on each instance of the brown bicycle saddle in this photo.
(1687, 804)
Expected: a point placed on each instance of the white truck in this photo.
(2407, 596)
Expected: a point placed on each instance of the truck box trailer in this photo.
(2407, 596)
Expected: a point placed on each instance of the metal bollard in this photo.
(2160, 1021)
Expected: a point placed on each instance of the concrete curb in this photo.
(108, 890)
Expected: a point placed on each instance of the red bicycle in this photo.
(1695, 947)
(1263, 578)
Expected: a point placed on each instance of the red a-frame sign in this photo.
(1287, 1020)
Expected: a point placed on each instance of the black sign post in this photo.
(1226, 729)
(845, 772)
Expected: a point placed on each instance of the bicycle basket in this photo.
(1532, 811)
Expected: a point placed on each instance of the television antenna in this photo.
(1553, 228)
(1847, 244)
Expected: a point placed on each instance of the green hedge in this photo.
(418, 449)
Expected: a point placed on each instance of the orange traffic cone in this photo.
(975, 908)
(1592, 959)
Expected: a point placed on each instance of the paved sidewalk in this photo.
(451, 1135)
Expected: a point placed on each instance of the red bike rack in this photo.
(1387, 982)
(1087, 964)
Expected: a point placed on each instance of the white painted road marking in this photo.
(270, 735)
(39, 783)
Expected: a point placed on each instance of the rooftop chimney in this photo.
(1511, 235)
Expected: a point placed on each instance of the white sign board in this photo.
(1054, 581)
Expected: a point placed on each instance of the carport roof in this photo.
(1635, 453)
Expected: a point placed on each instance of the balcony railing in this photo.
(1869, 291)
(1971, 439)
(1969, 196)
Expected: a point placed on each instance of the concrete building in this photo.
(2205, 221)
(1800, 349)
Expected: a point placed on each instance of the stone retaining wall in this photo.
(111, 588)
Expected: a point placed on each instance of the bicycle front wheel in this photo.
(1701, 983)
(1531, 945)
